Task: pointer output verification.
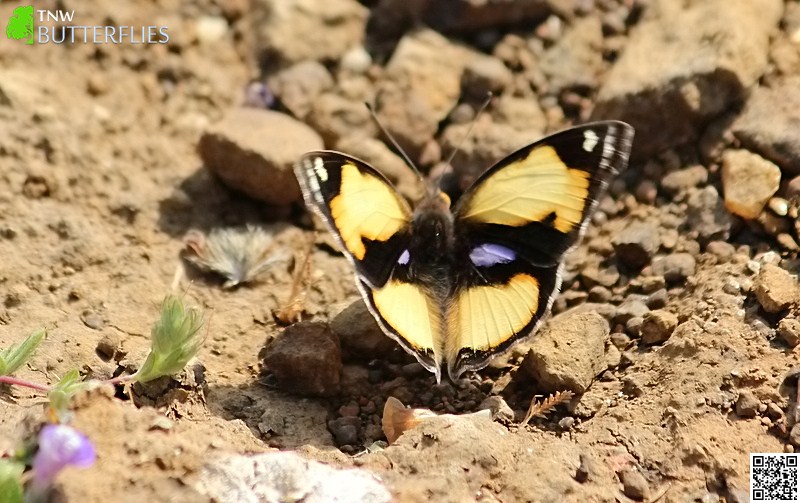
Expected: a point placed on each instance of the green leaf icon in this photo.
(20, 24)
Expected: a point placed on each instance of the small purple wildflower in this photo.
(258, 95)
(60, 446)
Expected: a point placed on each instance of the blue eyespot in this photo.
(404, 258)
(489, 254)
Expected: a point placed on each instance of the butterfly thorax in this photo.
(431, 243)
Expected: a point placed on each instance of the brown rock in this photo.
(575, 61)
(789, 330)
(776, 289)
(328, 29)
(747, 404)
(360, 334)
(657, 326)
(707, 216)
(768, 124)
(523, 114)
(253, 150)
(636, 245)
(684, 179)
(334, 116)
(568, 353)
(708, 54)
(634, 485)
(299, 85)
(306, 359)
(422, 84)
(675, 267)
(485, 74)
(748, 181)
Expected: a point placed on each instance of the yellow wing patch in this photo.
(410, 312)
(529, 190)
(366, 208)
(484, 317)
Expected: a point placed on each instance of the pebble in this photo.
(254, 150)
(776, 289)
(620, 340)
(748, 182)
(682, 180)
(747, 404)
(92, 320)
(484, 75)
(706, 214)
(108, 347)
(356, 60)
(345, 430)
(789, 331)
(632, 307)
(636, 245)
(634, 485)
(299, 86)
(657, 299)
(675, 267)
(657, 326)
(306, 359)
(568, 352)
(500, 409)
(722, 250)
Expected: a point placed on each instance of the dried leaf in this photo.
(541, 409)
(292, 310)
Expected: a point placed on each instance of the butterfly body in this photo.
(458, 285)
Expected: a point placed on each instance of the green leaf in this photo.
(65, 389)
(14, 357)
(175, 339)
(10, 481)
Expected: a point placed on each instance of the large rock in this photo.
(575, 61)
(748, 181)
(291, 31)
(568, 353)
(769, 124)
(306, 359)
(776, 289)
(253, 151)
(685, 63)
(422, 84)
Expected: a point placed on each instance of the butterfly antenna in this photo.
(483, 107)
(394, 142)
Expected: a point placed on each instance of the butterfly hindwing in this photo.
(370, 220)
(513, 228)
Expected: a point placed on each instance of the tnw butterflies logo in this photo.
(20, 24)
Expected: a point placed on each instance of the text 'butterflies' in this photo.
(456, 287)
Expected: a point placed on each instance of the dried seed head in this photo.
(239, 255)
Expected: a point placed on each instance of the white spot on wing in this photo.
(312, 171)
(319, 169)
(590, 140)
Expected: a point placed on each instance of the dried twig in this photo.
(541, 409)
(292, 310)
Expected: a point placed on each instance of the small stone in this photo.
(599, 293)
(500, 409)
(360, 334)
(484, 75)
(748, 182)
(298, 86)
(675, 267)
(683, 179)
(794, 435)
(633, 326)
(573, 62)
(789, 330)
(776, 289)
(747, 404)
(108, 347)
(357, 60)
(211, 29)
(345, 430)
(593, 275)
(722, 250)
(634, 485)
(657, 299)
(92, 320)
(632, 307)
(658, 326)
(568, 353)
(774, 411)
(706, 215)
(254, 151)
(586, 468)
(620, 340)
(566, 423)
(306, 359)
(636, 245)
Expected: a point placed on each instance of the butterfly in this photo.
(458, 286)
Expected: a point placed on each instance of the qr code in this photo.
(773, 478)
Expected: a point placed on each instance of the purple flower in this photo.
(60, 446)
